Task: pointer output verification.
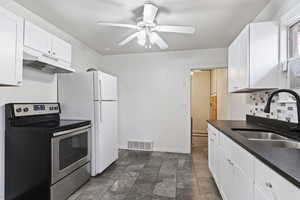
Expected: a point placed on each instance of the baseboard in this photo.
(167, 150)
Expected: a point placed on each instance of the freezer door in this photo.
(109, 87)
(108, 135)
(105, 87)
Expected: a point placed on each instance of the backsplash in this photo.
(283, 106)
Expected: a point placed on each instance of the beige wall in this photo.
(200, 100)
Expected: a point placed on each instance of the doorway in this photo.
(208, 101)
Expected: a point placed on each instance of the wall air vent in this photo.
(140, 145)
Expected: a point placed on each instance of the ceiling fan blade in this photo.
(150, 12)
(128, 39)
(176, 29)
(118, 25)
(156, 39)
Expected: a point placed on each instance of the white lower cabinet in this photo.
(236, 183)
(272, 185)
(239, 176)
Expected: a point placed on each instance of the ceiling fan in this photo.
(147, 29)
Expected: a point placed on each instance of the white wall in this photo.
(238, 105)
(154, 92)
(39, 86)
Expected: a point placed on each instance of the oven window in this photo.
(72, 149)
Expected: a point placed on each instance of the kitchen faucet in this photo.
(268, 105)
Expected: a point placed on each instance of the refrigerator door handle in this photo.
(100, 103)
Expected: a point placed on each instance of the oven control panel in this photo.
(22, 110)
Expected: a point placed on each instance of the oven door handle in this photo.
(71, 131)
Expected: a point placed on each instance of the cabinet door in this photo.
(11, 50)
(61, 49)
(37, 39)
(244, 42)
(230, 69)
(244, 184)
(259, 195)
(211, 154)
(264, 53)
(228, 188)
(233, 71)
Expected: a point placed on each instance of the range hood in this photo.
(45, 62)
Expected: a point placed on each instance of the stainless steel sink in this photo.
(279, 143)
(250, 135)
(269, 139)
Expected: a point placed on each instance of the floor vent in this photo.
(140, 145)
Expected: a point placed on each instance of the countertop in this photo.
(284, 161)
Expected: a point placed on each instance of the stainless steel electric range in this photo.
(46, 158)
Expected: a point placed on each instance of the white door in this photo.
(11, 49)
(109, 87)
(61, 49)
(37, 39)
(108, 135)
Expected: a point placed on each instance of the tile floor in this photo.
(154, 176)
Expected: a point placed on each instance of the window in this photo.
(294, 39)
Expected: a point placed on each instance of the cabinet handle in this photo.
(50, 57)
(269, 185)
(230, 162)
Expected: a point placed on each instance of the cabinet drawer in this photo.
(272, 185)
(240, 156)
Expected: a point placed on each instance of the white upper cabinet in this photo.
(46, 48)
(253, 58)
(61, 49)
(11, 48)
(37, 39)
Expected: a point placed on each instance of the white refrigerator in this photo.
(93, 96)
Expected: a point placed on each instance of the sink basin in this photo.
(279, 143)
(250, 135)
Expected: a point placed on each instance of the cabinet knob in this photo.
(54, 53)
(49, 51)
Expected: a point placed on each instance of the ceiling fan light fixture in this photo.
(152, 38)
(141, 39)
(148, 29)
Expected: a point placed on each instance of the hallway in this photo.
(154, 176)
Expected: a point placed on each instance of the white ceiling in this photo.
(217, 22)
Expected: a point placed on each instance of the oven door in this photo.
(70, 150)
